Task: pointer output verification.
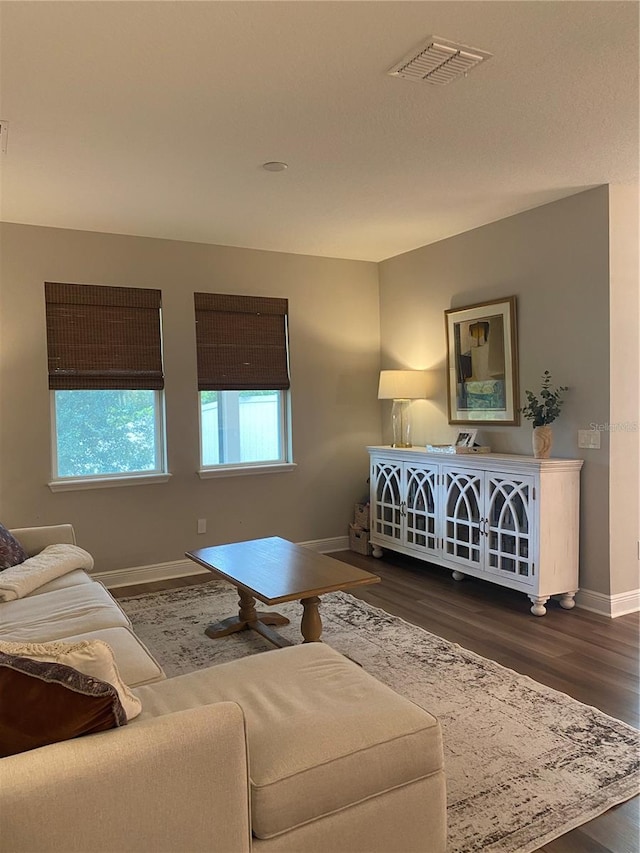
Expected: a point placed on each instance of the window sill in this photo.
(243, 470)
(107, 482)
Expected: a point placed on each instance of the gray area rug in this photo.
(524, 763)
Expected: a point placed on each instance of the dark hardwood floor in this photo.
(590, 657)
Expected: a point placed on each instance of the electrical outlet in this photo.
(589, 438)
(202, 525)
(4, 133)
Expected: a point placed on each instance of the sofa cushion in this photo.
(90, 657)
(73, 578)
(62, 613)
(136, 664)
(34, 539)
(323, 734)
(43, 703)
(11, 551)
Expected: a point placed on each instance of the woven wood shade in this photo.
(241, 342)
(103, 337)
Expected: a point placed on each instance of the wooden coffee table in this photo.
(275, 570)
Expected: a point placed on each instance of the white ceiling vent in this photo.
(438, 61)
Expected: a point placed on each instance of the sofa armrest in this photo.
(172, 784)
(34, 539)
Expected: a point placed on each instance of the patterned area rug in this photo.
(524, 763)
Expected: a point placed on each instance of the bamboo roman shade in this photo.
(103, 337)
(241, 342)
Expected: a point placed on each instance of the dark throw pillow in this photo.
(43, 703)
(11, 551)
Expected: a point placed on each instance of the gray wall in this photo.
(623, 433)
(334, 334)
(555, 260)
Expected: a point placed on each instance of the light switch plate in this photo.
(589, 438)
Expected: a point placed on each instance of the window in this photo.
(105, 376)
(106, 432)
(242, 426)
(243, 380)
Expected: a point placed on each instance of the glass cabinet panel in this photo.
(421, 489)
(462, 516)
(387, 518)
(509, 515)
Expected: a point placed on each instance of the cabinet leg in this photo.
(377, 551)
(457, 576)
(539, 602)
(568, 600)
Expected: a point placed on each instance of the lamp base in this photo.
(401, 424)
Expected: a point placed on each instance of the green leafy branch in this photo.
(544, 409)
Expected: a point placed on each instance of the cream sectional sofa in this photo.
(74, 607)
(296, 750)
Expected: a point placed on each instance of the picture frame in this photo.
(482, 363)
(466, 438)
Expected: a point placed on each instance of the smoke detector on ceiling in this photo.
(439, 61)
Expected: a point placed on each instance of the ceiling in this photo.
(153, 118)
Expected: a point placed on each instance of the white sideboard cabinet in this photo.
(512, 520)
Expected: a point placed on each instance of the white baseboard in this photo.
(326, 546)
(185, 568)
(609, 605)
(148, 574)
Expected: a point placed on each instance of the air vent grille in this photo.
(439, 61)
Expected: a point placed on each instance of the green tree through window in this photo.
(105, 432)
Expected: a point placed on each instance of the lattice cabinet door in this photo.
(421, 507)
(463, 503)
(509, 522)
(386, 500)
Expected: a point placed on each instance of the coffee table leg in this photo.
(311, 623)
(247, 616)
(247, 611)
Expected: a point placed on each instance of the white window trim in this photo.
(105, 481)
(242, 470)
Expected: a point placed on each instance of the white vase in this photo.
(542, 441)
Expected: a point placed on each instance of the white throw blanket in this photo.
(50, 563)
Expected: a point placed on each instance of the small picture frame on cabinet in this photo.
(466, 438)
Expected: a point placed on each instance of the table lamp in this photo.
(402, 386)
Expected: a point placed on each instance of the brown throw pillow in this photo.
(11, 551)
(90, 657)
(42, 703)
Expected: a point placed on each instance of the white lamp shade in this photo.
(403, 385)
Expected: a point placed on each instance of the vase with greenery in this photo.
(542, 410)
